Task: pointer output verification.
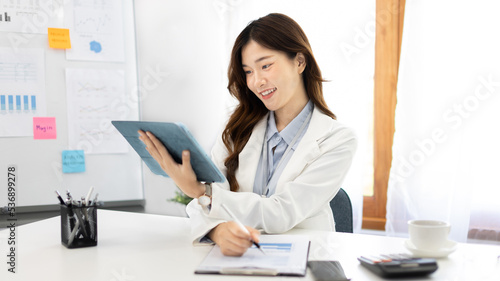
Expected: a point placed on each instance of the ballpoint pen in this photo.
(84, 206)
(70, 198)
(60, 198)
(241, 226)
(81, 222)
(87, 198)
(94, 202)
(73, 233)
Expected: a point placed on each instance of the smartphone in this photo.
(327, 271)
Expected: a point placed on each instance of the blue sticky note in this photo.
(73, 161)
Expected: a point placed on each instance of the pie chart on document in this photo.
(442, 252)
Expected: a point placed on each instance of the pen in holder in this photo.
(78, 225)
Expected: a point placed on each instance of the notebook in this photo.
(176, 138)
(285, 255)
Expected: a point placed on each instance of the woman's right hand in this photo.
(182, 174)
(232, 240)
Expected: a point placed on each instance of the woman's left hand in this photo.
(182, 174)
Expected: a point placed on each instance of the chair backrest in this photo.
(342, 212)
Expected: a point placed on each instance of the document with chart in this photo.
(22, 96)
(283, 255)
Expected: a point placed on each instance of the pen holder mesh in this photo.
(78, 226)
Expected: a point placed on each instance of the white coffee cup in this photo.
(430, 235)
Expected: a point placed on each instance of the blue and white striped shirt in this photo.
(280, 140)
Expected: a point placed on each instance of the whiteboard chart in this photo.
(76, 100)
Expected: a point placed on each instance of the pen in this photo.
(88, 195)
(84, 205)
(60, 198)
(81, 222)
(73, 232)
(71, 215)
(94, 202)
(241, 226)
(70, 198)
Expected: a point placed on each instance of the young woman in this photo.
(283, 153)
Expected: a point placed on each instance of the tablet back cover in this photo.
(176, 138)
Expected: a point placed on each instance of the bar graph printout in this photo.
(28, 16)
(22, 95)
(284, 255)
(95, 97)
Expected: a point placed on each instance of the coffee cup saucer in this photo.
(442, 252)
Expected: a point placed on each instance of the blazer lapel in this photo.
(251, 153)
(308, 148)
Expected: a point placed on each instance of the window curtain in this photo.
(342, 35)
(446, 152)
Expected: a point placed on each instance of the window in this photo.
(389, 27)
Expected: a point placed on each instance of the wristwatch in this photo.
(206, 199)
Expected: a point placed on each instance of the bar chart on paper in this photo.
(22, 95)
(17, 104)
(16, 14)
(276, 247)
(283, 254)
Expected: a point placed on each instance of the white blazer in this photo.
(312, 177)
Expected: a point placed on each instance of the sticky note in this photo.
(73, 161)
(59, 38)
(44, 128)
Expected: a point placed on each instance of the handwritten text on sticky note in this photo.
(59, 38)
(73, 161)
(44, 128)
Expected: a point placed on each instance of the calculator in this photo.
(398, 265)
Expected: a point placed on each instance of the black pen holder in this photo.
(78, 226)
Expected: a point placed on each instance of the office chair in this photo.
(342, 212)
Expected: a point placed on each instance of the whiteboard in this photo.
(117, 177)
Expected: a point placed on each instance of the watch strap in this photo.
(208, 189)
(206, 199)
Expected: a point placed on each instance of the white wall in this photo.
(176, 40)
(191, 42)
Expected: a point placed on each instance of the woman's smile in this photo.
(267, 94)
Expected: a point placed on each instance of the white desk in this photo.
(140, 247)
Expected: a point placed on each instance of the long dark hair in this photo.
(276, 32)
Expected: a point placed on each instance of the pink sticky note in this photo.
(44, 128)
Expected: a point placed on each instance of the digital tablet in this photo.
(176, 138)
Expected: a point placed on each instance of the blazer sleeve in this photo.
(201, 221)
(297, 198)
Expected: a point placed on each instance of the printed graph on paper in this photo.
(17, 15)
(94, 99)
(22, 91)
(22, 72)
(97, 28)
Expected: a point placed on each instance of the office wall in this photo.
(180, 42)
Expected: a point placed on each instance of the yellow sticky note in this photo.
(59, 38)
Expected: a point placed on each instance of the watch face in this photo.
(204, 200)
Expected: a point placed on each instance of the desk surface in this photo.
(135, 247)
